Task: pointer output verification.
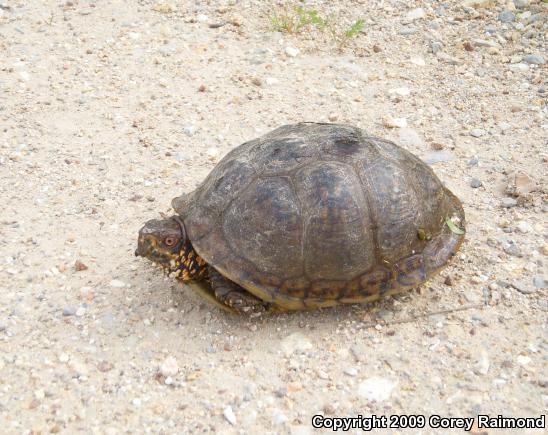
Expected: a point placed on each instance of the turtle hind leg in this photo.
(235, 297)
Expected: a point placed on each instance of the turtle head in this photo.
(165, 243)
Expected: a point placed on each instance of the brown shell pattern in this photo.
(314, 215)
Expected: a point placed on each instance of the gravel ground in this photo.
(108, 109)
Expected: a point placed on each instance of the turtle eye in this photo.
(170, 241)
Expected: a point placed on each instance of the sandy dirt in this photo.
(108, 109)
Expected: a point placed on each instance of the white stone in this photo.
(291, 51)
(376, 389)
(415, 14)
(136, 402)
(519, 67)
(80, 312)
(117, 283)
(403, 91)
(213, 152)
(271, 81)
(523, 360)
(64, 357)
(189, 130)
(418, 61)
(478, 132)
(229, 415)
(394, 122)
(524, 227)
(476, 3)
(482, 363)
(351, 371)
(169, 367)
(322, 375)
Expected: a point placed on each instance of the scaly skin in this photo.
(164, 243)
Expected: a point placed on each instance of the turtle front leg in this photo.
(232, 295)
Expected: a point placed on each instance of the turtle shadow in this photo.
(376, 312)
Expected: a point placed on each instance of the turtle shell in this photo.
(312, 215)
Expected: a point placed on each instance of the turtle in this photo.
(310, 215)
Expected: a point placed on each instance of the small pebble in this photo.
(477, 132)
(534, 59)
(408, 31)
(189, 130)
(291, 51)
(415, 14)
(390, 122)
(507, 16)
(436, 46)
(329, 409)
(524, 227)
(475, 183)
(376, 389)
(351, 371)
(520, 4)
(69, 311)
(229, 415)
(539, 282)
(116, 283)
(402, 92)
(481, 367)
(79, 266)
(434, 157)
(169, 367)
(474, 161)
(524, 287)
(523, 360)
(438, 146)
(104, 366)
(512, 249)
(419, 61)
(508, 202)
